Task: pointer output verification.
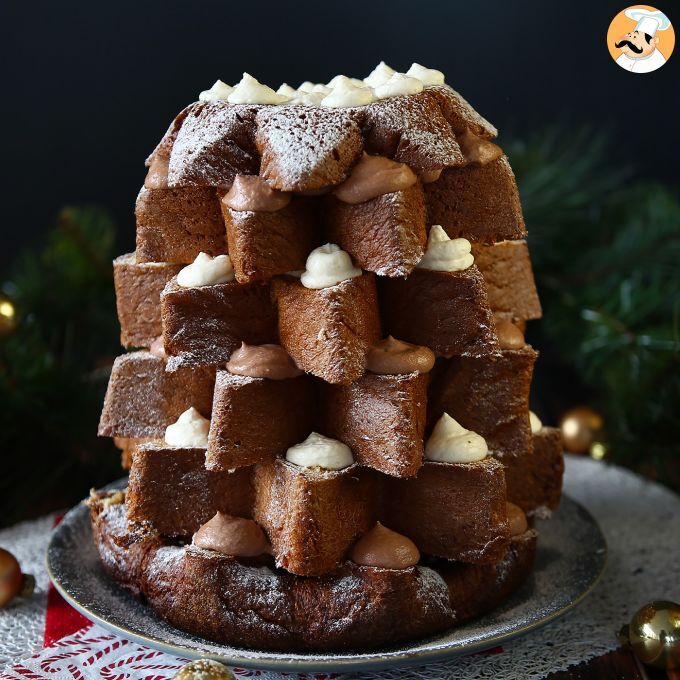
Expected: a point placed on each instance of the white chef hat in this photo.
(647, 21)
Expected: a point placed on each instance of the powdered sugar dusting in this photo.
(460, 113)
(214, 144)
(412, 130)
(164, 147)
(305, 148)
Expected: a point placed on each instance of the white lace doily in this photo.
(638, 518)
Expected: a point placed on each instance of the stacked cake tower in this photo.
(327, 425)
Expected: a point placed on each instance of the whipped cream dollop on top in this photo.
(190, 431)
(382, 547)
(427, 76)
(326, 266)
(206, 271)
(444, 254)
(251, 192)
(251, 91)
(346, 93)
(322, 452)
(535, 423)
(304, 98)
(219, 91)
(286, 90)
(379, 75)
(308, 86)
(373, 176)
(397, 85)
(450, 442)
(337, 79)
(340, 91)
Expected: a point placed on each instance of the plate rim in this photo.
(331, 662)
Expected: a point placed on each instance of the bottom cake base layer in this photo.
(249, 603)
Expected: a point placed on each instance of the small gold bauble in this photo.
(654, 634)
(12, 582)
(8, 316)
(580, 428)
(205, 669)
(598, 450)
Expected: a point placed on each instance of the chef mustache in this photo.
(635, 48)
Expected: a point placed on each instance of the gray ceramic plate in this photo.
(571, 557)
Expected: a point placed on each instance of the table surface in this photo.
(640, 522)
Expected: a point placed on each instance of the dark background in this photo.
(90, 87)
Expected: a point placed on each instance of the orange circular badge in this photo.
(640, 39)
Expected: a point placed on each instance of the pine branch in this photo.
(606, 252)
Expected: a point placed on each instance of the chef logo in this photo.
(640, 39)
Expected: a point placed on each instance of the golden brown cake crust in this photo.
(263, 244)
(306, 148)
(385, 235)
(488, 395)
(248, 603)
(255, 420)
(534, 478)
(122, 547)
(204, 325)
(381, 418)
(509, 279)
(175, 225)
(214, 144)
(479, 203)
(479, 588)
(459, 114)
(138, 297)
(411, 129)
(445, 311)
(164, 147)
(142, 398)
(328, 331)
(451, 510)
(312, 517)
(171, 491)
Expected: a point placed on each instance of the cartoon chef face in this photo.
(637, 44)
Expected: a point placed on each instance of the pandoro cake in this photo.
(326, 419)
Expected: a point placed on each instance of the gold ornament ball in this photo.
(8, 316)
(580, 428)
(12, 582)
(204, 669)
(654, 634)
(598, 451)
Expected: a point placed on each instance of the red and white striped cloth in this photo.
(93, 652)
(77, 649)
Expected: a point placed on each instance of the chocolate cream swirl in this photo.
(382, 547)
(251, 192)
(157, 175)
(517, 520)
(234, 536)
(263, 361)
(394, 357)
(478, 151)
(374, 176)
(509, 336)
